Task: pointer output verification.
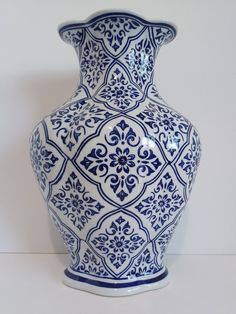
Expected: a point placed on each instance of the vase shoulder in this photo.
(86, 130)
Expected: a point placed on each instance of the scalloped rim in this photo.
(106, 13)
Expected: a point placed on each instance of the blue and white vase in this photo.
(115, 164)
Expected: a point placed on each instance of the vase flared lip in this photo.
(114, 13)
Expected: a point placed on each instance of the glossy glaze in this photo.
(115, 164)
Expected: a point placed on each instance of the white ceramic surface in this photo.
(115, 163)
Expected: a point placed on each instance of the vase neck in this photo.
(116, 53)
(99, 69)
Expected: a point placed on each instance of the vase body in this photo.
(115, 164)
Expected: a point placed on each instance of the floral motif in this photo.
(115, 167)
(115, 163)
(119, 92)
(75, 202)
(118, 242)
(164, 201)
(114, 30)
(144, 265)
(71, 121)
(141, 62)
(91, 265)
(191, 160)
(93, 63)
(167, 122)
(96, 166)
(148, 162)
(162, 35)
(170, 127)
(73, 37)
(122, 186)
(124, 134)
(122, 160)
(42, 159)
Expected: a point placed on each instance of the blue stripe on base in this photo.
(115, 285)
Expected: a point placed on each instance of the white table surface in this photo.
(31, 283)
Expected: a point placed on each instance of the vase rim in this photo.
(114, 13)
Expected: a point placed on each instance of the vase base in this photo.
(115, 288)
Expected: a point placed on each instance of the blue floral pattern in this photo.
(121, 169)
(71, 121)
(91, 265)
(140, 61)
(144, 265)
(118, 242)
(73, 37)
(162, 204)
(42, 159)
(94, 62)
(170, 127)
(122, 160)
(115, 163)
(114, 31)
(75, 202)
(119, 93)
(190, 162)
(162, 35)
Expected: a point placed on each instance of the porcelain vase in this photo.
(116, 164)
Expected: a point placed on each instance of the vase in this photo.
(115, 164)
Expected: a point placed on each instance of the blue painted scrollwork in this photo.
(115, 163)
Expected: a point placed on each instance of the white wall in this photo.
(196, 74)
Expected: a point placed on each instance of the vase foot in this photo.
(115, 288)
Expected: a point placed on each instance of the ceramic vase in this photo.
(115, 164)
